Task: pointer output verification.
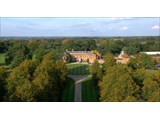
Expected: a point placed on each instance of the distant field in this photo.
(2, 59)
(34, 56)
(90, 91)
(78, 69)
(153, 72)
(68, 91)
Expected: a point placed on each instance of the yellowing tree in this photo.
(117, 85)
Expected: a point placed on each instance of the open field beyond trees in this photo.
(153, 72)
(2, 59)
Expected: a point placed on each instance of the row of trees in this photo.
(34, 80)
(132, 45)
(118, 82)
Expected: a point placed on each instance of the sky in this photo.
(120, 26)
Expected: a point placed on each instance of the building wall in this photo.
(85, 56)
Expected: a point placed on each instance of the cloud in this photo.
(156, 27)
(123, 28)
(120, 18)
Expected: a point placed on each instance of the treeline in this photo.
(34, 80)
(131, 45)
(33, 70)
(126, 83)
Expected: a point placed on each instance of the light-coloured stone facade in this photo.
(122, 58)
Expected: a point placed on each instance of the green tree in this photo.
(151, 90)
(109, 61)
(19, 83)
(49, 78)
(96, 71)
(68, 58)
(118, 85)
(17, 54)
(142, 61)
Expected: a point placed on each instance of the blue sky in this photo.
(80, 26)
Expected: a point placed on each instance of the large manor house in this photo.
(80, 56)
(91, 57)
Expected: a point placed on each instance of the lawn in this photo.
(78, 69)
(68, 91)
(153, 72)
(2, 59)
(34, 56)
(90, 91)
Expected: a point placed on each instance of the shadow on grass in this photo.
(78, 69)
(68, 91)
(90, 92)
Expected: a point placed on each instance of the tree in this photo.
(151, 90)
(142, 61)
(3, 77)
(40, 52)
(49, 78)
(17, 54)
(109, 61)
(68, 58)
(96, 71)
(116, 47)
(46, 82)
(19, 83)
(118, 85)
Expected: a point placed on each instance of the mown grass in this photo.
(2, 59)
(90, 92)
(78, 69)
(68, 91)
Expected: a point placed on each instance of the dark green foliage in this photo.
(17, 54)
(142, 61)
(68, 58)
(39, 53)
(3, 77)
(68, 91)
(96, 71)
(49, 73)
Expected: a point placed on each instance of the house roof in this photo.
(125, 55)
(79, 52)
(152, 53)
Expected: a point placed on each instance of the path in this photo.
(78, 79)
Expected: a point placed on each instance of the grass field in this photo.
(34, 56)
(2, 59)
(78, 69)
(89, 91)
(153, 72)
(68, 91)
